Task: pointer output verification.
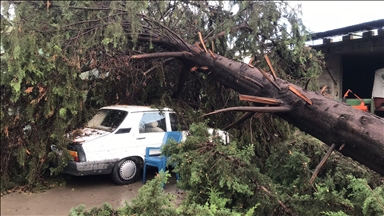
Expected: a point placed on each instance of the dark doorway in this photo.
(358, 73)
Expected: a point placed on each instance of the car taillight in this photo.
(74, 155)
(77, 152)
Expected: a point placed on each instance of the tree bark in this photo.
(328, 120)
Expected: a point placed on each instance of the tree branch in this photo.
(242, 119)
(94, 20)
(224, 32)
(322, 162)
(252, 109)
(166, 28)
(262, 100)
(156, 66)
(286, 209)
(162, 55)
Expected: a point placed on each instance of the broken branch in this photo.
(322, 162)
(269, 79)
(242, 119)
(156, 66)
(196, 50)
(198, 46)
(323, 89)
(162, 55)
(270, 66)
(252, 109)
(301, 95)
(194, 69)
(212, 54)
(286, 209)
(202, 42)
(253, 80)
(262, 100)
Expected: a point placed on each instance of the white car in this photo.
(114, 141)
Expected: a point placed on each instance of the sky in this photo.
(321, 16)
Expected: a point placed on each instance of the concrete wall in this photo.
(325, 79)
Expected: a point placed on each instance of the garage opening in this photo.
(358, 73)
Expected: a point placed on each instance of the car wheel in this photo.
(126, 171)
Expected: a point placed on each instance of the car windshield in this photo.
(107, 119)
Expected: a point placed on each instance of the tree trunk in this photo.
(356, 134)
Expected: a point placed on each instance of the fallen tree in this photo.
(139, 52)
(356, 134)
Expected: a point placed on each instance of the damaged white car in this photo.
(114, 141)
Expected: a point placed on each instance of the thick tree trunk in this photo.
(356, 134)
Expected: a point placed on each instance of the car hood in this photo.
(87, 134)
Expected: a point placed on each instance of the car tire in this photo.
(126, 171)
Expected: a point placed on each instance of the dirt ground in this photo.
(92, 191)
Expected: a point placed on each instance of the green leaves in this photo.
(63, 112)
(372, 200)
(151, 199)
(48, 51)
(208, 167)
(114, 34)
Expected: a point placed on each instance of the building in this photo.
(352, 61)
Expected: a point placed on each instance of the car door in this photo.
(116, 145)
(121, 143)
(150, 131)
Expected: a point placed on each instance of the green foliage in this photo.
(204, 167)
(263, 171)
(45, 54)
(207, 167)
(207, 195)
(151, 199)
(214, 206)
(371, 201)
(339, 213)
(105, 210)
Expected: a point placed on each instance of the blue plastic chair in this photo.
(160, 161)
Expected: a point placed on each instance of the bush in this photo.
(152, 200)
(223, 180)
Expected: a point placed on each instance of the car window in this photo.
(175, 126)
(107, 119)
(152, 122)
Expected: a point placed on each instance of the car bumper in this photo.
(90, 168)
